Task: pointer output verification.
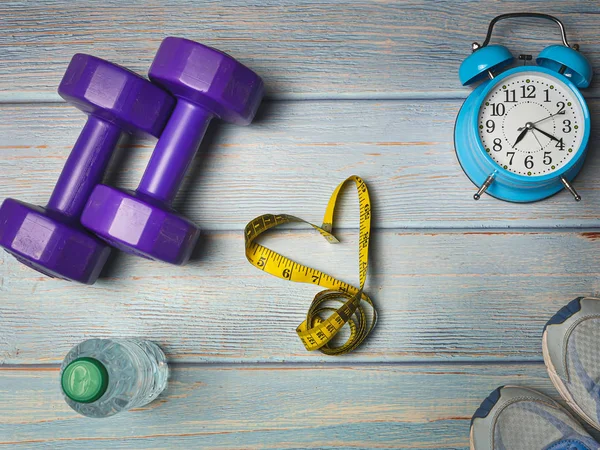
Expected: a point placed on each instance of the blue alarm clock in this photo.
(521, 135)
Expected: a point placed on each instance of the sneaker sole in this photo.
(483, 411)
(562, 315)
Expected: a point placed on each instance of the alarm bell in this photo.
(563, 59)
(567, 61)
(482, 62)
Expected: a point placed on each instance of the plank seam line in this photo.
(51, 98)
(494, 363)
(524, 229)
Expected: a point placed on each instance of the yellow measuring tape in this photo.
(316, 332)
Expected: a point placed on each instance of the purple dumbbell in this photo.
(206, 84)
(50, 239)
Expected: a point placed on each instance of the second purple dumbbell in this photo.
(206, 83)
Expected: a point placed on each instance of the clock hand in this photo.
(544, 133)
(541, 120)
(521, 136)
(536, 138)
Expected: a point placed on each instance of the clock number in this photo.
(561, 107)
(529, 162)
(497, 145)
(498, 109)
(512, 155)
(567, 124)
(547, 158)
(491, 126)
(547, 92)
(510, 96)
(528, 91)
(560, 145)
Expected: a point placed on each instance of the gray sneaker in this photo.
(516, 418)
(571, 346)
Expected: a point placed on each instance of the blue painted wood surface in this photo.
(363, 87)
(269, 406)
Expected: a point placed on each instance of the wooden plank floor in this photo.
(268, 407)
(366, 88)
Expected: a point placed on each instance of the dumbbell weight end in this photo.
(175, 151)
(85, 167)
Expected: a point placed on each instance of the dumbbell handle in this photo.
(85, 167)
(175, 151)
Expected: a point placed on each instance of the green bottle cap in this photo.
(84, 380)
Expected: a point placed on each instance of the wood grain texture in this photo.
(269, 407)
(291, 159)
(441, 295)
(322, 49)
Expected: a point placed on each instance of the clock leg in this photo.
(483, 188)
(570, 188)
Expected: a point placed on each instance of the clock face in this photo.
(531, 124)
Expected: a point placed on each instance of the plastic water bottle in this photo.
(101, 377)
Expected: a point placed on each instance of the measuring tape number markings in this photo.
(316, 332)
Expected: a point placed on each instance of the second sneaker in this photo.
(571, 347)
